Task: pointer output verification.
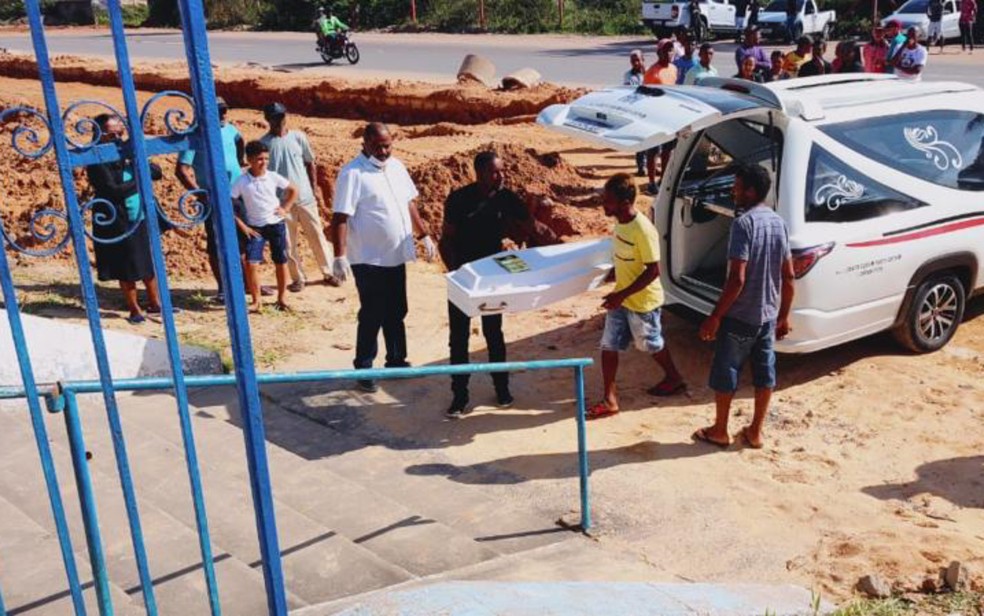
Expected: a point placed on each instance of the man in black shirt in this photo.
(475, 221)
(934, 10)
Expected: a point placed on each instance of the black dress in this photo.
(129, 259)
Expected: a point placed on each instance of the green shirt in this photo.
(330, 25)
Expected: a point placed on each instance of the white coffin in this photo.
(552, 273)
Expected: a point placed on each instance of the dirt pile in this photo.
(399, 102)
(532, 174)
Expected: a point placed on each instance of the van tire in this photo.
(933, 316)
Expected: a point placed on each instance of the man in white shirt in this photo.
(267, 200)
(373, 225)
(910, 60)
(292, 157)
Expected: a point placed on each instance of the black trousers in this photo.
(966, 36)
(460, 325)
(382, 305)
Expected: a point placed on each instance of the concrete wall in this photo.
(63, 351)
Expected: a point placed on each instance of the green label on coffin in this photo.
(512, 264)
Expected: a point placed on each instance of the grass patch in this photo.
(947, 604)
(40, 303)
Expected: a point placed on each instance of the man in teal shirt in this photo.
(896, 41)
(193, 175)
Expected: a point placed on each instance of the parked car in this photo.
(880, 182)
(717, 16)
(913, 13)
(809, 21)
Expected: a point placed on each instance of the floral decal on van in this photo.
(942, 146)
(837, 193)
(927, 140)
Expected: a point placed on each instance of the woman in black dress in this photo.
(127, 260)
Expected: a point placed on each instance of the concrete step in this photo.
(32, 577)
(175, 562)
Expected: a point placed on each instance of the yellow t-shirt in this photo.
(636, 244)
(792, 63)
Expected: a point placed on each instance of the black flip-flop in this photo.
(700, 436)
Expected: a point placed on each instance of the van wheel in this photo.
(935, 313)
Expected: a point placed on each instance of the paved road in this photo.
(560, 59)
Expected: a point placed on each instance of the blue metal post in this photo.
(76, 226)
(254, 434)
(40, 434)
(87, 500)
(149, 202)
(582, 447)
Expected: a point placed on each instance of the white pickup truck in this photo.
(663, 17)
(809, 21)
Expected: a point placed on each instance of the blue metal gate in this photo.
(43, 133)
(192, 124)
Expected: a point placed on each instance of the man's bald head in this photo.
(377, 141)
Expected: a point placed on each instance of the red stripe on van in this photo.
(918, 235)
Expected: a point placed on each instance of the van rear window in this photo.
(835, 192)
(945, 147)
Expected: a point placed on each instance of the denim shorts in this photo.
(276, 235)
(738, 342)
(623, 326)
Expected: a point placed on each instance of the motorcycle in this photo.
(342, 47)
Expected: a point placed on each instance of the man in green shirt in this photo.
(329, 26)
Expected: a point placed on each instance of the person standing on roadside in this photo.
(934, 10)
(703, 68)
(792, 12)
(753, 14)
(684, 61)
(292, 157)
(750, 48)
(741, 8)
(753, 309)
(374, 222)
(896, 40)
(911, 59)
(817, 65)
(475, 221)
(876, 52)
(193, 175)
(634, 77)
(662, 72)
(634, 307)
(796, 58)
(968, 17)
(851, 59)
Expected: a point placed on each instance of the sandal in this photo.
(136, 319)
(282, 307)
(600, 410)
(744, 436)
(664, 389)
(701, 437)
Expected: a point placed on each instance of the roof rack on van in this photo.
(759, 92)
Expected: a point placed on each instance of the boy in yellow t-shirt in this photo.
(634, 306)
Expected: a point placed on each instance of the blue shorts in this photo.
(276, 235)
(623, 326)
(738, 342)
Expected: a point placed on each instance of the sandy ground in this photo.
(873, 461)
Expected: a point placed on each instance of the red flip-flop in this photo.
(664, 389)
(599, 411)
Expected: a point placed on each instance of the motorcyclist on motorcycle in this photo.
(329, 27)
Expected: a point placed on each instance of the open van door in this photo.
(633, 119)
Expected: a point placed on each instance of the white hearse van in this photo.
(880, 182)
